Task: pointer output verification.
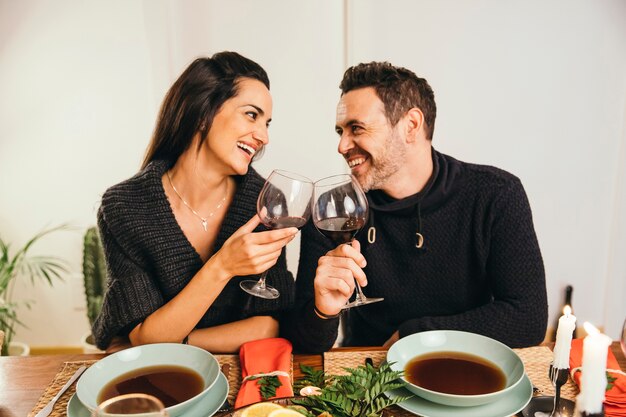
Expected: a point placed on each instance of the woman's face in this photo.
(240, 128)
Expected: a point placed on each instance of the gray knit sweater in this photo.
(150, 260)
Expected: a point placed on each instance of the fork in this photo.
(45, 412)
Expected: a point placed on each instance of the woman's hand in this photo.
(248, 253)
(335, 275)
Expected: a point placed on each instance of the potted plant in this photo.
(94, 276)
(19, 264)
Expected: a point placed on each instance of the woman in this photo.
(179, 234)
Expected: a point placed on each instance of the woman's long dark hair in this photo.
(195, 98)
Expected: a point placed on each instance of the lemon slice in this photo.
(285, 412)
(261, 410)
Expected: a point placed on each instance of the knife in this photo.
(48, 408)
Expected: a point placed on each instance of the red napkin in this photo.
(615, 398)
(261, 357)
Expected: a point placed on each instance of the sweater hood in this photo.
(439, 187)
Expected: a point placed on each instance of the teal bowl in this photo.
(490, 350)
(107, 369)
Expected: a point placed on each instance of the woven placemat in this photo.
(232, 371)
(336, 362)
(228, 363)
(51, 390)
(537, 361)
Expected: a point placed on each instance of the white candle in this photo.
(564, 331)
(593, 378)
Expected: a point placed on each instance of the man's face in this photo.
(373, 148)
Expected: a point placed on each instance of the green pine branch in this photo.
(361, 393)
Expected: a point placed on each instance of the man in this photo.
(448, 245)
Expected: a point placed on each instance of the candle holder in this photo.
(552, 406)
(558, 377)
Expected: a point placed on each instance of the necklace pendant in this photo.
(204, 224)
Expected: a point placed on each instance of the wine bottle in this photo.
(568, 302)
(569, 290)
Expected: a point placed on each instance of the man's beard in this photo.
(384, 165)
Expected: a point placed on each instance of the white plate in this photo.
(206, 407)
(512, 403)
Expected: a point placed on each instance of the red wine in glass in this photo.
(340, 210)
(283, 222)
(340, 229)
(284, 201)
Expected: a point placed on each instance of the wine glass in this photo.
(131, 404)
(284, 201)
(340, 210)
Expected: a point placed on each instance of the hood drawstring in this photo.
(371, 230)
(419, 237)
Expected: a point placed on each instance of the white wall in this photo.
(81, 84)
(537, 88)
(76, 110)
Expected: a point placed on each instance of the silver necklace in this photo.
(204, 220)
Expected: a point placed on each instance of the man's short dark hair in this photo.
(398, 88)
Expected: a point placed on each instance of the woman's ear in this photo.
(414, 124)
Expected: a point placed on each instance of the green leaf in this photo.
(311, 377)
(267, 385)
(609, 379)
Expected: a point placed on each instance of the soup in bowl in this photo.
(456, 368)
(179, 375)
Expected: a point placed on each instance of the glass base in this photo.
(253, 288)
(361, 302)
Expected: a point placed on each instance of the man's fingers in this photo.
(334, 284)
(347, 265)
(349, 251)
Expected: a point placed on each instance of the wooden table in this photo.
(24, 379)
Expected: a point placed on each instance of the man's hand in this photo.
(393, 339)
(335, 275)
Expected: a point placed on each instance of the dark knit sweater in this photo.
(150, 260)
(480, 269)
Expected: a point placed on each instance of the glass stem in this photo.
(360, 297)
(261, 283)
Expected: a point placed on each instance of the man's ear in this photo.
(414, 123)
